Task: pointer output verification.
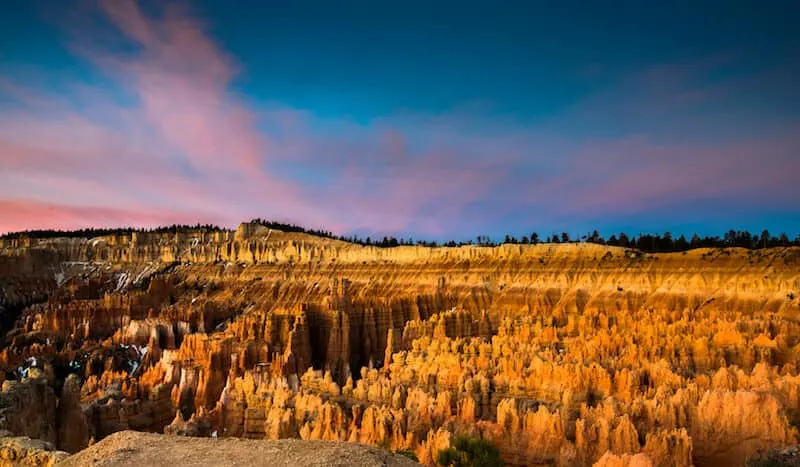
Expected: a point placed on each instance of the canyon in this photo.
(560, 354)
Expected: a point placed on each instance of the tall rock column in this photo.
(73, 431)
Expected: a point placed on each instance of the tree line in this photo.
(664, 243)
(650, 243)
(92, 232)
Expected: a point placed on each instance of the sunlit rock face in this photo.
(569, 354)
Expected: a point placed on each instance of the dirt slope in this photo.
(127, 448)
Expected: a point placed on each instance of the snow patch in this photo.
(148, 270)
(31, 362)
(121, 281)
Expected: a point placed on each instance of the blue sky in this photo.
(437, 119)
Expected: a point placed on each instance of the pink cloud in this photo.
(114, 156)
(181, 78)
(186, 119)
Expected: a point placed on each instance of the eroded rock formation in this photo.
(570, 354)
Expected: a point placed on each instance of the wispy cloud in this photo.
(634, 174)
(166, 140)
(181, 79)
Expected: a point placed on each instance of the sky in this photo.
(433, 119)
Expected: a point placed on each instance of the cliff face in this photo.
(569, 354)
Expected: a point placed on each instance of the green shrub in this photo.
(451, 457)
(470, 452)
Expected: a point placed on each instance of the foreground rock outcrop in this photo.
(569, 354)
(21, 451)
(128, 448)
